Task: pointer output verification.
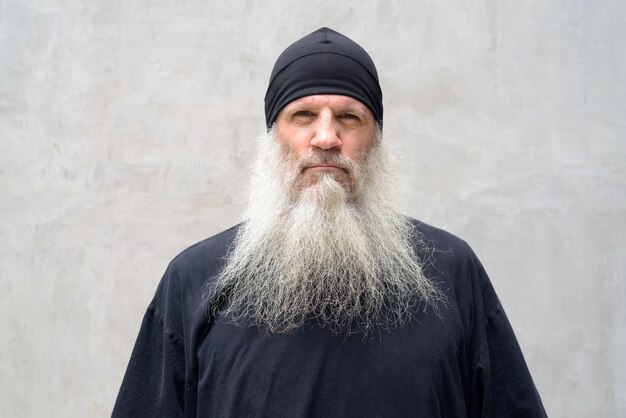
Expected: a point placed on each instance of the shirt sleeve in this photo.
(502, 384)
(154, 383)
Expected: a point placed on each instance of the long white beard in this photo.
(332, 253)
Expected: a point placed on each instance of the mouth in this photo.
(324, 167)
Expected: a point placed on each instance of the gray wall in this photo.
(128, 127)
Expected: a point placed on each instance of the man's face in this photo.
(326, 134)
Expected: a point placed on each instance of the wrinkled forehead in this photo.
(335, 102)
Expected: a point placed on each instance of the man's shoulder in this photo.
(207, 252)
(451, 262)
(181, 288)
(439, 240)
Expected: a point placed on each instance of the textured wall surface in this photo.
(127, 129)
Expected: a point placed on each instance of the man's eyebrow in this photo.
(351, 109)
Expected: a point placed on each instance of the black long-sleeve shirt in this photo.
(464, 362)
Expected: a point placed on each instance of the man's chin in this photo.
(325, 179)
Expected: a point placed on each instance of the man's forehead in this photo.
(335, 101)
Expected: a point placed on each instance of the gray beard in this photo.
(331, 253)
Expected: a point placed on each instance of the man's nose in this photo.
(326, 134)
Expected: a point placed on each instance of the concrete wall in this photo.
(127, 128)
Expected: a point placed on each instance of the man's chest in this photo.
(312, 372)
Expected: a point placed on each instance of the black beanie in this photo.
(323, 62)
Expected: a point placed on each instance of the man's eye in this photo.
(303, 113)
(349, 116)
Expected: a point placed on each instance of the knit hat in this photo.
(323, 62)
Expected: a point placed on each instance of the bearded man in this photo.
(326, 301)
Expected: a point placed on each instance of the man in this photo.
(325, 301)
